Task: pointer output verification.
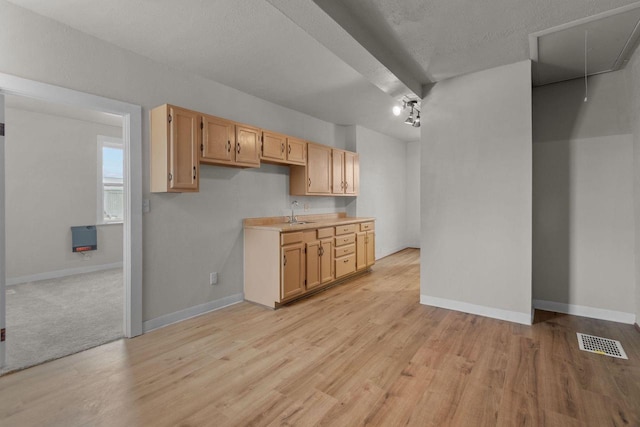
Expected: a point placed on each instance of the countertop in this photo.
(308, 222)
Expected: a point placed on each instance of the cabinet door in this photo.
(313, 264)
(296, 151)
(292, 278)
(338, 172)
(318, 169)
(218, 139)
(361, 250)
(183, 149)
(371, 248)
(326, 260)
(273, 146)
(247, 145)
(350, 170)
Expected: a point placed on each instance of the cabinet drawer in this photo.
(366, 226)
(289, 238)
(345, 229)
(345, 250)
(345, 240)
(345, 265)
(325, 232)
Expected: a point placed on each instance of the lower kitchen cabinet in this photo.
(282, 265)
(293, 267)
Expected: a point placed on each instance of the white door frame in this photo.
(132, 138)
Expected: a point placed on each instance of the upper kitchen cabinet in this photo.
(175, 142)
(279, 148)
(218, 140)
(346, 173)
(248, 146)
(315, 177)
(228, 143)
(329, 172)
(296, 151)
(351, 173)
(274, 147)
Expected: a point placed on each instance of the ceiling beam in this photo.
(333, 27)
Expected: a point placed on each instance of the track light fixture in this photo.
(414, 115)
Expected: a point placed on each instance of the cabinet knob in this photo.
(238, 147)
(228, 146)
(309, 182)
(285, 260)
(282, 147)
(170, 176)
(346, 260)
(194, 172)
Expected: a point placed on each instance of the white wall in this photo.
(583, 220)
(476, 193)
(186, 236)
(413, 194)
(633, 70)
(383, 187)
(51, 185)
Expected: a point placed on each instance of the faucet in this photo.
(293, 219)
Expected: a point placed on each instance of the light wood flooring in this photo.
(363, 353)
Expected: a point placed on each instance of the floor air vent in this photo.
(599, 345)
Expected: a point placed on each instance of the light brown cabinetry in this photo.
(315, 177)
(283, 265)
(228, 143)
(279, 148)
(296, 151)
(248, 145)
(293, 270)
(274, 146)
(345, 251)
(337, 184)
(174, 149)
(319, 268)
(346, 173)
(365, 246)
(329, 172)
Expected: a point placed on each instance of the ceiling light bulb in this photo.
(416, 122)
(397, 110)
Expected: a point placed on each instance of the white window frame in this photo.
(111, 142)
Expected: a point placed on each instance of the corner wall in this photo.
(413, 194)
(583, 218)
(476, 167)
(383, 187)
(634, 81)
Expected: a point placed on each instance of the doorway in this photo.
(61, 164)
(132, 191)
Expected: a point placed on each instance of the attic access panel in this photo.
(559, 53)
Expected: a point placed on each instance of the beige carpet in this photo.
(53, 318)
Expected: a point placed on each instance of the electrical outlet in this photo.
(213, 278)
(146, 206)
(306, 206)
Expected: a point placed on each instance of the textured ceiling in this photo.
(271, 49)
(439, 39)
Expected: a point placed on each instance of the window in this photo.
(110, 180)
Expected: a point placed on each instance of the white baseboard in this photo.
(581, 310)
(190, 312)
(391, 252)
(61, 273)
(481, 310)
